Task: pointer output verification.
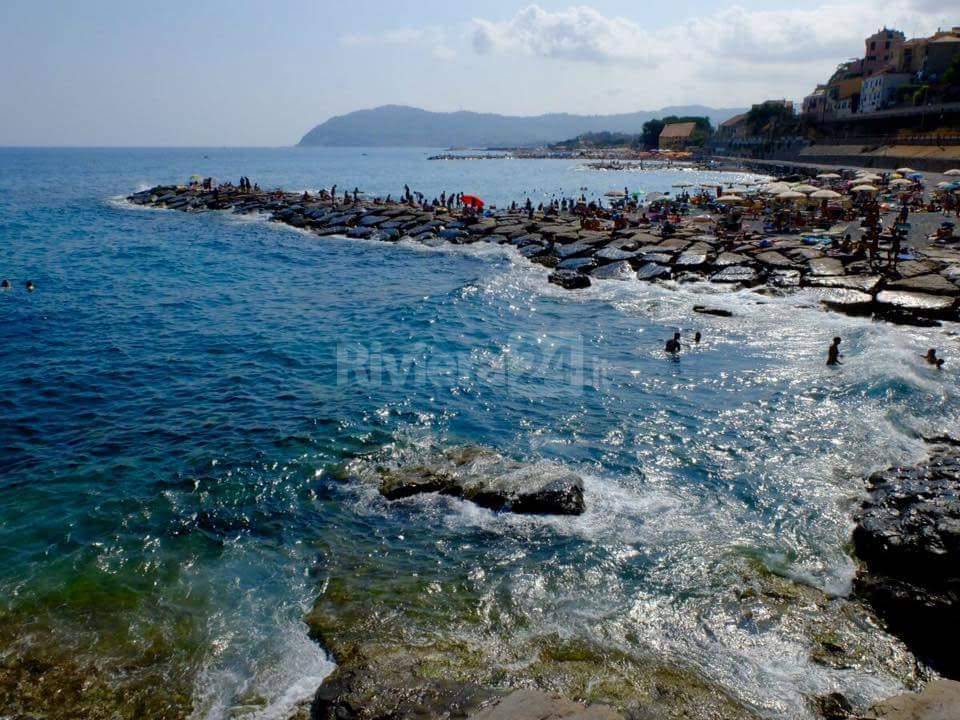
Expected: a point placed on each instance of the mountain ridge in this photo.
(405, 126)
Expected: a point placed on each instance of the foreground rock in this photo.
(535, 705)
(491, 481)
(940, 700)
(908, 537)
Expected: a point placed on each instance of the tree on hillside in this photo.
(771, 117)
(651, 133)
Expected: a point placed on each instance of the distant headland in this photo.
(399, 126)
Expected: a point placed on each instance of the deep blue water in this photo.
(178, 392)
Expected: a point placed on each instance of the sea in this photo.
(182, 397)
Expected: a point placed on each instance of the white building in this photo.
(878, 90)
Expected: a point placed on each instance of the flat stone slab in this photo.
(912, 268)
(916, 301)
(536, 705)
(729, 258)
(735, 274)
(529, 251)
(621, 270)
(652, 271)
(691, 259)
(940, 700)
(575, 250)
(863, 283)
(932, 284)
(846, 300)
(579, 264)
(613, 254)
(774, 259)
(825, 266)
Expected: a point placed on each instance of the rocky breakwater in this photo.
(920, 291)
(908, 538)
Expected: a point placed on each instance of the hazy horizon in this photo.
(233, 74)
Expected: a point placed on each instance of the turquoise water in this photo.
(180, 393)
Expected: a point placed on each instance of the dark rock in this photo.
(833, 707)
(569, 279)
(491, 481)
(719, 312)
(729, 258)
(908, 537)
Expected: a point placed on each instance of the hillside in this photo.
(396, 125)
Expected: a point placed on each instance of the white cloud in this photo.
(797, 36)
(578, 33)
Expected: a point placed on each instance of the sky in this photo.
(249, 72)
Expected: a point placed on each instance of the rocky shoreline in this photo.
(908, 538)
(919, 291)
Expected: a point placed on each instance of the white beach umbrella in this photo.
(826, 195)
(775, 188)
(955, 172)
(804, 188)
(869, 177)
(703, 220)
(900, 182)
(730, 200)
(829, 176)
(865, 188)
(905, 171)
(791, 195)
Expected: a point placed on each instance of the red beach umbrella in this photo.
(473, 201)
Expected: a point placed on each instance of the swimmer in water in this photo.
(4, 284)
(833, 353)
(931, 356)
(30, 286)
(696, 337)
(673, 344)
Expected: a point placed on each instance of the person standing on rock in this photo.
(833, 353)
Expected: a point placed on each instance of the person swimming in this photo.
(4, 284)
(931, 356)
(833, 353)
(696, 337)
(673, 344)
(30, 286)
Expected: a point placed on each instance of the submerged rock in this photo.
(491, 481)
